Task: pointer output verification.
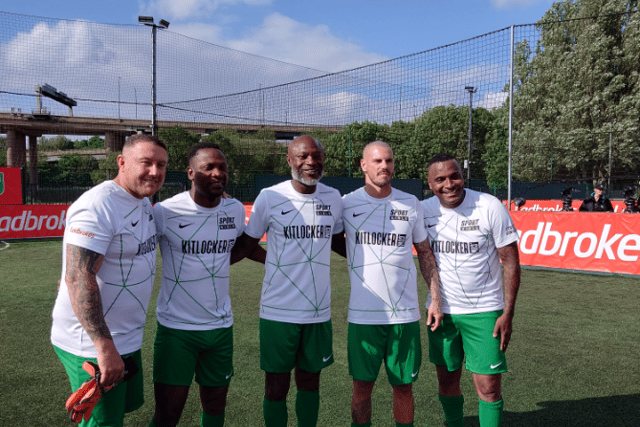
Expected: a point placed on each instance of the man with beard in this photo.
(108, 268)
(471, 233)
(381, 225)
(300, 217)
(198, 230)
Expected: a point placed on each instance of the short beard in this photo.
(308, 182)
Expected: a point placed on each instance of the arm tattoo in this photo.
(429, 269)
(82, 266)
(511, 264)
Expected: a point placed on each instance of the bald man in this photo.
(300, 216)
(381, 224)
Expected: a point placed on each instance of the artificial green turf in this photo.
(573, 359)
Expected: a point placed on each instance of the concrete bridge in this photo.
(19, 127)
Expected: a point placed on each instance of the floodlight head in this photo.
(145, 19)
(164, 24)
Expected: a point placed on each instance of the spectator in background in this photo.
(597, 202)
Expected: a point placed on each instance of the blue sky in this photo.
(328, 35)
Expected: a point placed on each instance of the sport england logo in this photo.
(227, 223)
(399, 215)
(323, 210)
(1, 183)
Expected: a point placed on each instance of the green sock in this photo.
(490, 413)
(208, 420)
(307, 406)
(404, 425)
(367, 424)
(453, 410)
(152, 423)
(274, 413)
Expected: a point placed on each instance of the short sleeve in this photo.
(419, 231)
(158, 216)
(338, 225)
(258, 220)
(502, 228)
(89, 229)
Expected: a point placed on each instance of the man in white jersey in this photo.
(197, 231)
(108, 268)
(470, 233)
(381, 224)
(300, 217)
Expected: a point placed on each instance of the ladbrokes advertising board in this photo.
(32, 221)
(602, 242)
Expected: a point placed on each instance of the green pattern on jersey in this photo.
(458, 262)
(381, 258)
(124, 284)
(309, 257)
(210, 273)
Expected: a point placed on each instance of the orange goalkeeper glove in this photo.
(82, 401)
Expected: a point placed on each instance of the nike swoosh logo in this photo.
(227, 377)
(133, 224)
(286, 212)
(414, 374)
(326, 359)
(431, 225)
(357, 214)
(495, 366)
(184, 225)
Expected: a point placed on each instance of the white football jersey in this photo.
(110, 221)
(299, 227)
(464, 242)
(196, 244)
(380, 234)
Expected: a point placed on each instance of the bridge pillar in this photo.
(33, 159)
(114, 141)
(16, 149)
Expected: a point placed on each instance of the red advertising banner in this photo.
(601, 242)
(10, 186)
(32, 221)
(556, 205)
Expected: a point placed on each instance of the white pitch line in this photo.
(6, 245)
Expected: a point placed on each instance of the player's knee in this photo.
(404, 391)
(214, 399)
(362, 391)
(276, 386)
(307, 381)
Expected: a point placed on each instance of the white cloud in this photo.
(510, 4)
(185, 9)
(199, 31)
(282, 38)
(494, 100)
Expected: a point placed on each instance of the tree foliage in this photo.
(577, 89)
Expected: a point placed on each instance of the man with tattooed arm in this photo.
(471, 233)
(108, 268)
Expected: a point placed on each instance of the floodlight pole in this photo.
(154, 113)
(471, 90)
(148, 21)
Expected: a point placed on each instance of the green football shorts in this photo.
(469, 335)
(283, 345)
(398, 345)
(178, 354)
(124, 397)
